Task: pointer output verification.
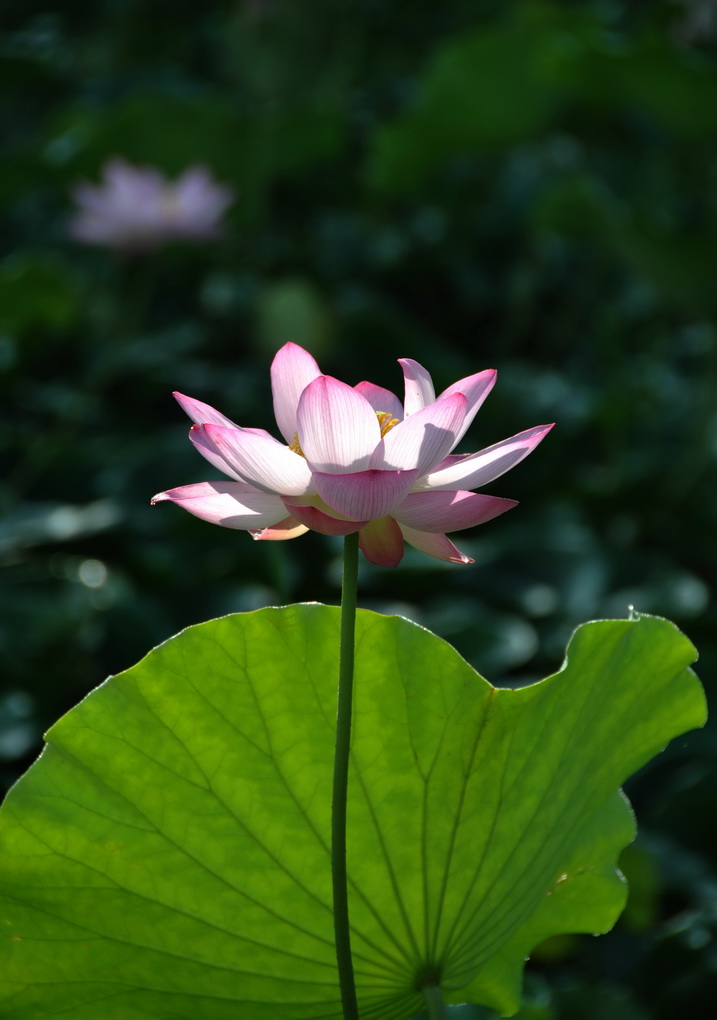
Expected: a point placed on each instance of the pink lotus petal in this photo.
(381, 542)
(381, 400)
(90, 198)
(317, 520)
(201, 200)
(477, 469)
(209, 451)
(437, 546)
(364, 495)
(449, 510)
(292, 370)
(281, 532)
(338, 428)
(124, 177)
(450, 460)
(419, 386)
(231, 504)
(262, 461)
(475, 388)
(202, 413)
(423, 439)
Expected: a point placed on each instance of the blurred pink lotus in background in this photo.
(136, 208)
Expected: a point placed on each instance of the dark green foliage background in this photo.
(525, 186)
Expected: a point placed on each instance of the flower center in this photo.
(385, 421)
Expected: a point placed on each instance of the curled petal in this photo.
(438, 546)
(281, 532)
(381, 399)
(231, 504)
(474, 469)
(202, 413)
(338, 429)
(364, 495)
(261, 460)
(319, 521)
(475, 389)
(422, 440)
(209, 451)
(448, 510)
(419, 386)
(292, 370)
(381, 542)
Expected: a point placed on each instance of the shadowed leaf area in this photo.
(168, 855)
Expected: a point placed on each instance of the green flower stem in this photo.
(341, 778)
(434, 1002)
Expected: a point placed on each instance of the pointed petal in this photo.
(338, 428)
(231, 504)
(418, 385)
(292, 370)
(475, 388)
(288, 528)
(381, 542)
(437, 546)
(381, 399)
(423, 439)
(202, 413)
(450, 460)
(261, 460)
(439, 511)
(364, 495)
(208, 450)
(317, 520)
(477, 469)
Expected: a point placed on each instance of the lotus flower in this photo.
(355, 459)
(136, 208)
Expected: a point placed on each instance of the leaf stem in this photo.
(341, 777)
(434, 1002)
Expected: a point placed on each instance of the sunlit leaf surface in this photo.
(168, 856)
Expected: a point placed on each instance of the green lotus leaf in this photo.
(167, 857)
